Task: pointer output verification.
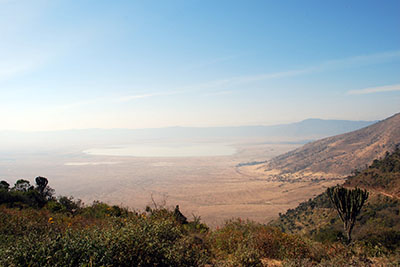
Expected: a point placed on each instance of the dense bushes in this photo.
(40, 238)
(23, 194)
(103, 235)
(246, 243)
(37, 229)
(98, 236)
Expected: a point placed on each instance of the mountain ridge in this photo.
(338, 155)
(309, 129)
(307, 122)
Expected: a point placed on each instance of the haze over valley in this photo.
(199, 168)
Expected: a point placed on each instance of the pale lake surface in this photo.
(165, 150)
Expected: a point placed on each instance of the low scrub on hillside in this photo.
(378, 225)
(66, 233)
(377, 228)
(101, 236)
(383, 175)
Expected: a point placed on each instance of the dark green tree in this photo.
(348, 203)
(42, 187)
(41, 183)
(4, 185)
(179, 216)
(22, 185)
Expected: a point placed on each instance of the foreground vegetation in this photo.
(103, 235)
(37, 229)
(377, 228)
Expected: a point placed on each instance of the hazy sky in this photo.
(134, 64)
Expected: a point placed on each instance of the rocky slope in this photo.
(339, 155)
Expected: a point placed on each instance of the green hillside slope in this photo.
(381, 176)
(378, 225)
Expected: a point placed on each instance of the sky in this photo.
(149, 64)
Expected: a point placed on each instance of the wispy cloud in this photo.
(7, 71)
(126, 98)
(78, 104)
(210, 62)
(11, 68)
(372, 90)
(139, 96)
(219, 93)
(360, 60)
(226, 86)
(133, 97)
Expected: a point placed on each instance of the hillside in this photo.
(339, 155)
(381, 176)
(379, 221)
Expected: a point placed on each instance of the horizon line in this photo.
(178, 126)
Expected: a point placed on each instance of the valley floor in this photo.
(210, 187)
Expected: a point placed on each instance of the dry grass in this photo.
(211, 187)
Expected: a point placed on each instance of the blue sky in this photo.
(140, 64)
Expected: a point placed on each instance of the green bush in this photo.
(246, 241)
(135, 241)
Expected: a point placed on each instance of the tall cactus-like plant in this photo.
(348, 203)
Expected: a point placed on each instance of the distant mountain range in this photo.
(340, 154)
(305, 130)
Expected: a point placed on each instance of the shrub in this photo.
(260, 241)
(136, 240)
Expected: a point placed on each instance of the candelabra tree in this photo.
(348, 203)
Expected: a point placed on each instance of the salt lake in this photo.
(165, 150)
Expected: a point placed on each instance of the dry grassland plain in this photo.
(213, 188)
